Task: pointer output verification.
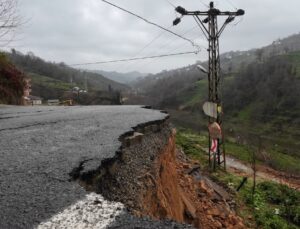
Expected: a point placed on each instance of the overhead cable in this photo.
(137, 58)
(152, 23)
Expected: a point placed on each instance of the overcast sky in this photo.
(79, 31)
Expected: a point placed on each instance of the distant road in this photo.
(39, 146)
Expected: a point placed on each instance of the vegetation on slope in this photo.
(12, 83)
(33, 64)
(56, 81)
(271, 206)
(261, 97)
(193, 144)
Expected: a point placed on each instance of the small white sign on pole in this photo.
(210, 109)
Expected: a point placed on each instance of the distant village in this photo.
(32, 100)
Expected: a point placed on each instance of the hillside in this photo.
(125, 78)
(231, 62)
(261, 95)
(52, 80)
(185, 88)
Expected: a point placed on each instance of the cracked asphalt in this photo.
(39, 147)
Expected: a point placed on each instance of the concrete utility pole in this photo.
(209, 26)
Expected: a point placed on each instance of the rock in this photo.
(218, 224)
(233, 219)
(214, 212)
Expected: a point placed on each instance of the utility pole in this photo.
(209, 27)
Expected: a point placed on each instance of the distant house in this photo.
(33, 100)
(53, 102)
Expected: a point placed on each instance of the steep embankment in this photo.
(151, 178)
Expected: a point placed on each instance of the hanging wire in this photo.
(137, 58)
(152, 23)
(151, 61)
(146, 46)
(231, 3)
(168, 44)
(204, 4)
(239, 21)
(170, 3)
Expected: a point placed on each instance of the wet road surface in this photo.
(39, 147)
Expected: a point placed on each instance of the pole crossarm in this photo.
(212, 11)
(215, 12)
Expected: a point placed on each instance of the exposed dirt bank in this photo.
(179, 191)
(154, 179)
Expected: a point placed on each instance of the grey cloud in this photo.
(76, 31)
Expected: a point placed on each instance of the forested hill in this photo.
(261, 93)
(51, 80)
(276, 64)
(125, 78)
(268, 87)
(261, 100)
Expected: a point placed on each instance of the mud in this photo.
(179, 191)
(264, 173)
(154, 179)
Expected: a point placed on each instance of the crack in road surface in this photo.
(38, 157)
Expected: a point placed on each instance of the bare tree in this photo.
(9, 21)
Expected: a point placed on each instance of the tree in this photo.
(9, 20)
(12, 83)
(259, 54)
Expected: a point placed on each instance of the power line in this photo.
(137, 58)
(152, 23)
(241, 19)
(230, 3)
(206, 5)
(166, 45)
(170, 3)
(146, 46)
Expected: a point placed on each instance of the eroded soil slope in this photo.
(155, 180)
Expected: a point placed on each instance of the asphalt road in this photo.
(39, 147)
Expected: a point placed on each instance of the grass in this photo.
(239, 151)
(273, 206)
(193, 143)
(50, 82)
(199, 93)
(285, 162)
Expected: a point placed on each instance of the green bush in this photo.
(287, 199)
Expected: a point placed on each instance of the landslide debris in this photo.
(153, 179)
(181, 192)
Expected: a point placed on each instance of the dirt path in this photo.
(263, 172)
